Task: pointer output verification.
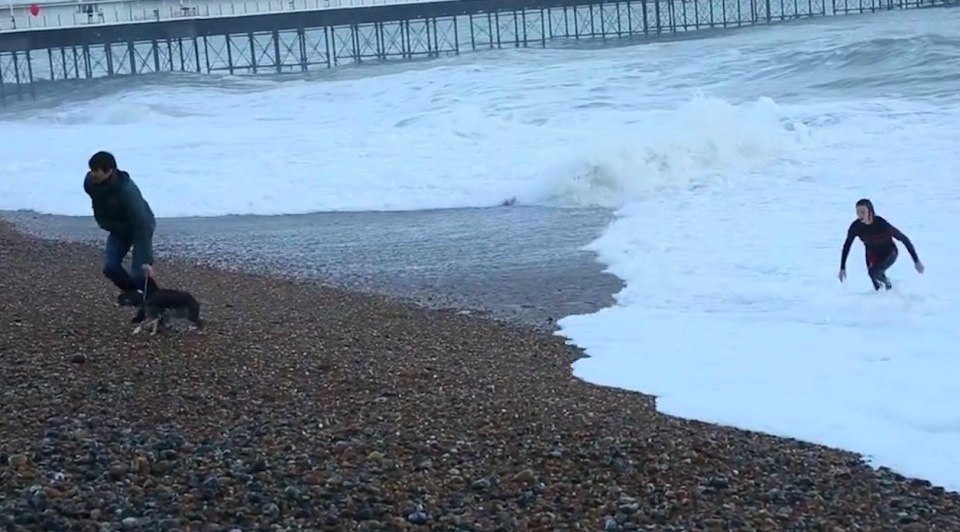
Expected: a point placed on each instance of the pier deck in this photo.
(61, 14)
(290, 41)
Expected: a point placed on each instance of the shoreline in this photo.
(316, 408)
(521, 264)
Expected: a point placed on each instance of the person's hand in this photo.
(919, 266)
(148, 271)
(842, 275)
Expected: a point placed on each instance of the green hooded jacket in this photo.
(120, 209)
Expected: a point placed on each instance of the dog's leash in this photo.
(143, 298)
(146, 282)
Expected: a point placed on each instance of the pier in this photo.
(289, 36)
(66, 13)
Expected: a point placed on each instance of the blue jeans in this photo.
(117, 249)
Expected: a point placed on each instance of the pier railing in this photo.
(71, 14)
(300, 41)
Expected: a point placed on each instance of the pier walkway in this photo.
(296, 36)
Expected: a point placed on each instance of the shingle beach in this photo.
(302, 407)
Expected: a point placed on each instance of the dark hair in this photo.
(103, 161)
(868, 204)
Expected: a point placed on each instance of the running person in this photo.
(877, 236)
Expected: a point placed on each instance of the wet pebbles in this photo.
(303, 408)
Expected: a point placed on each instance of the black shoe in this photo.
(141, 315)
(887, 284)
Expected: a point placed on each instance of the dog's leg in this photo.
(151, 324)
(144, 325)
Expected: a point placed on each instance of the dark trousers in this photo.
(877, 267)
(117, 248)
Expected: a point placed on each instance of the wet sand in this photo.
(521, 264)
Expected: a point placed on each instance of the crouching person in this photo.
(121, 211)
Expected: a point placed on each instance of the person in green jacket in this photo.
(120, 209)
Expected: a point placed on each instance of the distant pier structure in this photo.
(80, 40)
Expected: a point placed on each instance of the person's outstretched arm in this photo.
(851, 235)
(896, 233)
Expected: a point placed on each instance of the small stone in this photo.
(117, 472)
(418, 518)
(78, 358)
(630, 508)
(271, 510)
(259, 466)
(142, 465)
(482, 484)
(610, 524)
(719, 483)
(905, 518)
(169, 455)
(527, 475)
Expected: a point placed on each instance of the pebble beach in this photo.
(303, 407)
